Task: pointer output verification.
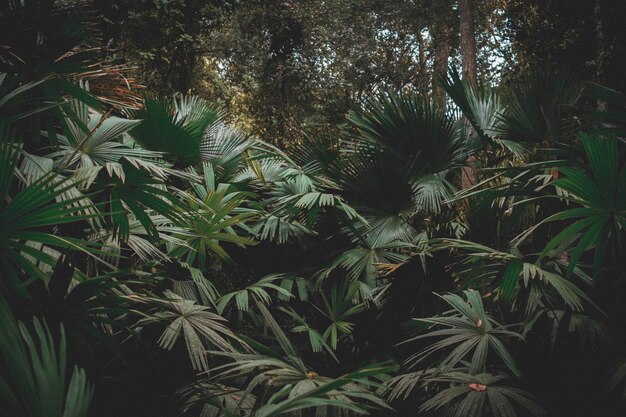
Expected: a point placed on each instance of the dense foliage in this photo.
(158, 259)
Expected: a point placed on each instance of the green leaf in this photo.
(509, 279)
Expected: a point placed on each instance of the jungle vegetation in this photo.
(312, 208)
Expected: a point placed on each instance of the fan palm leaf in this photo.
(91, 139)
(483, 109)
(601, 197)
(475, 395)
(291, 386)
(175, 128)
(196, 324)
(468, 332)
(33, 381)
(30, 216)
(538, 106)
(210, 219)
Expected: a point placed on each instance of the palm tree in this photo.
(278, 383)
(174, 127)
(468, 332)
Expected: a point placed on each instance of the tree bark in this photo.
(422, 76)
(468, 41)
(469, 174)
(440, 66)
(600, 49)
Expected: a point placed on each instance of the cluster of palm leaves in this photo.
(135, 229)
(159, 242)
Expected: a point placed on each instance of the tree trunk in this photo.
(600, 48)
(469, 175)
(440, 67)
(468, 42)
(422, 77)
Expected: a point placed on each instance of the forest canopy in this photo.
(260, 208)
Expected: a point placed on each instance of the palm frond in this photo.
(259, 291)
(475, 395)
(30, 216)
(468, 332)
(196, 324)
(33, 382)
(175, 128)
(538, 105)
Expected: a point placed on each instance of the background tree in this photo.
(586, 36)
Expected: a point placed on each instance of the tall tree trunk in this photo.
(600, 48)
(468, 41)
(440, 67)
(422, 76)
(469, 175)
